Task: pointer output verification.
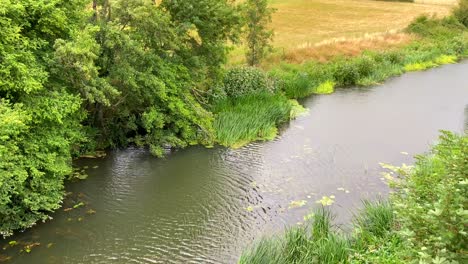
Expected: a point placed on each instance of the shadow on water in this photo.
(205, 205)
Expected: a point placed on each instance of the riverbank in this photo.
(424, 220)
(439, 42)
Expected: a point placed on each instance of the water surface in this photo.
(205, 205)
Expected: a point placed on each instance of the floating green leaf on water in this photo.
(90, 212)
(50, 245)
(80, 219)
(326, 201)
(297, 204)
(95, 167)
(29, 247)
(253, 184)
(12, 243)
(249, 208)
(78, 205)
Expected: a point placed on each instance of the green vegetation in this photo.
(461, 12)
(86, 75)
(76, 76)
(424, 220)
(252, 117)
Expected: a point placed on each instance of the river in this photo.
(203, 205)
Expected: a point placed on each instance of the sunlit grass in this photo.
(327, 87)
(440, 60)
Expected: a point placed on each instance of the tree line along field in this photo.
(319, 29)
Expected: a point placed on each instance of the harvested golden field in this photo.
(298, 23)
(302, 25)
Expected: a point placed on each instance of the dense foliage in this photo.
(423, 222)
(39, 117)
(246, 80)
(461, 12)
(431, 202)
(80, 75)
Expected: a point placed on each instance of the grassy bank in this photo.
(424, 221)
(240, 119)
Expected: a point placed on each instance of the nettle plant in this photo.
(430, 201)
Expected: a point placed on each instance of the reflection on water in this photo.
(205, 205)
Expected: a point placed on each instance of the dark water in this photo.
(205, 205)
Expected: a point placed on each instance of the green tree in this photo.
(259, 36)
(40, 119)
(140, 59)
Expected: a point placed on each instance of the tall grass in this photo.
(319, 241)
(241, 120)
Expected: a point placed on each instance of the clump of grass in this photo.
(319, 241)
(327, 87)
(252, 117)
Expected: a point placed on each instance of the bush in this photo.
(431, 201)
(461, 12)
(246, 80)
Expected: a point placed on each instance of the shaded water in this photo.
(205, 205)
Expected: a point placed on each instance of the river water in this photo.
(203, 205)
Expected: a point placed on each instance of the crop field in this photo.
(341, 26)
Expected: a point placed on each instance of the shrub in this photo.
(442, 29)
(431, 201)
(461, 12)
(349, 72)
(246, 80)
